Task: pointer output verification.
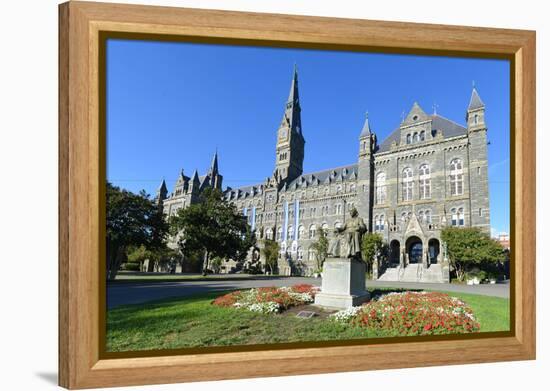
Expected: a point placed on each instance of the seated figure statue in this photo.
(352, 231)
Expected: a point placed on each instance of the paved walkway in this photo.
(134, 293)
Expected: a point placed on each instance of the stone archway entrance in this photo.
(414, 249)
(433, 250)
(394, 252)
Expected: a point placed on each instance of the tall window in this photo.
(422, 135)
(325, 228)
(338, 209)
(280, 233)
(379, 222)
(312, 231)
(457, 177)
(381, 188)
(311, 254)
(269, 234)
(460, 216)
(301, 232)
(415, 137)
(428, 216)
(408, 138)
(407, 184)
(300, 253)
(425, 182)
(454, 217)
(290, 233)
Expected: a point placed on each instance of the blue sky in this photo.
(170, 105)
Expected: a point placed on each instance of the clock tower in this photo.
(289, 157)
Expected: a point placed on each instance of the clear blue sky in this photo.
(170, 105)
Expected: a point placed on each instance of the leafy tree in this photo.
(370, 244)
(320, 246)
(213, 227)
(132, 220)
(271, 253)
(467, 247)
(138, 255)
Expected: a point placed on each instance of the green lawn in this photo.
(193, 322)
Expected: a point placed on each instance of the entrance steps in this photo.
(414, 273)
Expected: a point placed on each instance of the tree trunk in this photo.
(116, 258)
(205, 263)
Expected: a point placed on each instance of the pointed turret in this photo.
(214, 165)
(162, 192)
(475, 115)
(366, 132)
(475, 101)
(293, 96)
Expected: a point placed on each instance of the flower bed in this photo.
(270, 299)
(412, 313)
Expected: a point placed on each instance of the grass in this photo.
(194, 322)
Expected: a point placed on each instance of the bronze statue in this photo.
(353, 230)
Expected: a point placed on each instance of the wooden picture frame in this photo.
(81, 164)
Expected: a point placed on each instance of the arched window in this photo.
(324, 227)
(408, 138)
(301, 232)
(312, 231)
(280, 233)
(381, 188)
(454, 217)
(269, 234)
(300, 253)
(338, 225)
(407, 184)
(379, 222)
(421, 216)
(311, 254)
(415, 137)
(457, 177)
(425, 182)
(428, 216)
(422, 135)
(338, 189)
(461, 216)
(476, 119)
(352, 188)
(404, 216)
(290, 233)
(338, 209)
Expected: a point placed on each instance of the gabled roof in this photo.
(439, 124)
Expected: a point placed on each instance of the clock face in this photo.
(283, 133)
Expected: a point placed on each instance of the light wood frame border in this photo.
(80, 364)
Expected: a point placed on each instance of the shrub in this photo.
(132, 266)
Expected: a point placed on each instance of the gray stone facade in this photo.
(428, 173)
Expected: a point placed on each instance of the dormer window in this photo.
(415, 137)
(422, 136)
(415, 117)
(408, 138)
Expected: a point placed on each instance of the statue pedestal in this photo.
(343, 284)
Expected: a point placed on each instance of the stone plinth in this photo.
(343, 284)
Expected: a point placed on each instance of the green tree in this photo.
(320, 246)
(132, 220)
(213, 227)
(370, 244)
(470, 246)
(271, 253)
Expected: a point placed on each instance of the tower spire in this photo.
(214, 165)
(475, 101)
(365, 132)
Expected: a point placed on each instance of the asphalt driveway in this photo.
(141, 292)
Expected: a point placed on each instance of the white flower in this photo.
(345, 315)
